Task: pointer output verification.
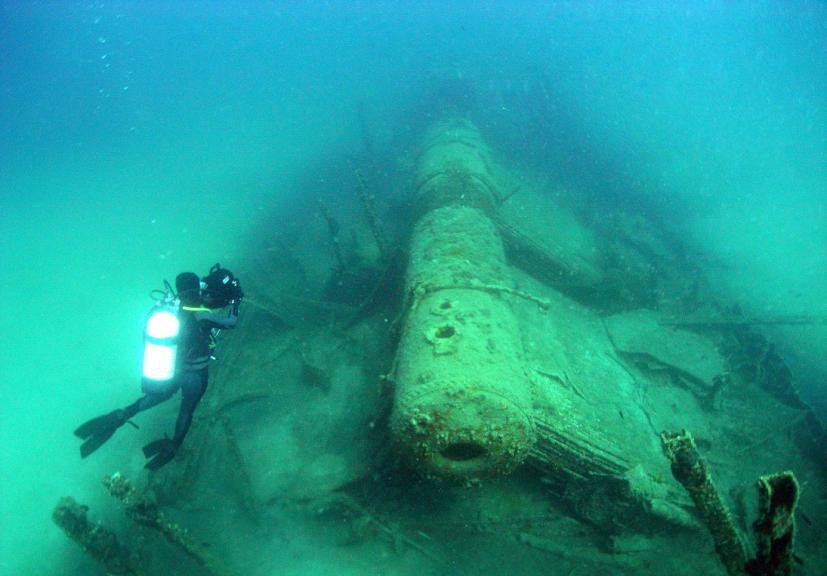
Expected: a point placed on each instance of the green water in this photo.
(136, 142)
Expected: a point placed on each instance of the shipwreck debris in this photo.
(367, 200)
(99, 542)
(774, 529)
(144, 512)
(689, 360)
(333, 229)
(690, 470)
(244, 485)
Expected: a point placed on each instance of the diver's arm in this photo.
(217, 320)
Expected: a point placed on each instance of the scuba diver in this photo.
(179, 338)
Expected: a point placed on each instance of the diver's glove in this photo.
(160, 452)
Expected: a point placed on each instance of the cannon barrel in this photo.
(463, 400)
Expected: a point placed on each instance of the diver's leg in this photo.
(147, 402)
(97, 431)
(193, 386)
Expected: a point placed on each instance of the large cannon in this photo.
(468, 400)
(463, 401)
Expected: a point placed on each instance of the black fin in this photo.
(98, 430)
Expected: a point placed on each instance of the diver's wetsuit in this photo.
(191, 371)
(193, 357)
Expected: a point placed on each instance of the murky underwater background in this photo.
(139, 140)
